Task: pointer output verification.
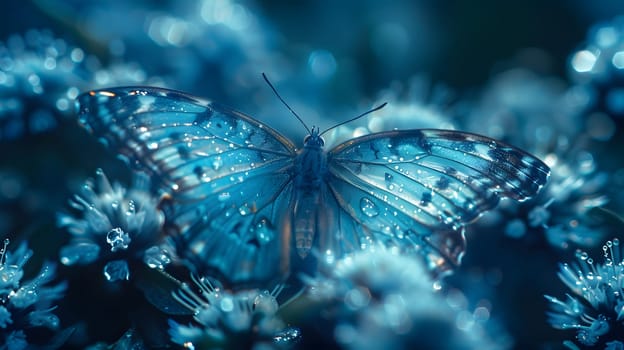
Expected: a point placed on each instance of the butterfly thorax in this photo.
(310, 170)
(310, 164)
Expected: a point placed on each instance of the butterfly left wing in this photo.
(226, 177)
(416, 189)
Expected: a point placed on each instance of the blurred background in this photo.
(547, 77)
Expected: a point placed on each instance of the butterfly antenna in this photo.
(285, 104)
(356, 118)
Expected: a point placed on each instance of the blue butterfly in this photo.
(251, 206)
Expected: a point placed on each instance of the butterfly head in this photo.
(314, 139)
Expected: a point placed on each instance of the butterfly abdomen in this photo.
(310, 170)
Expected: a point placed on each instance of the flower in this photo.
(595, 309)
(39, 78)
(415, 104)
(598, 66)
(115, 224)
(538, 113)
(25, 304)
(41, 75)
(230, 320)
(562, 210)
(380, 299)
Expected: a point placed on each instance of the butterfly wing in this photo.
(416, 189)
(227, 177)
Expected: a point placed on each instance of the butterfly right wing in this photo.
(417, 189)
(226, 177)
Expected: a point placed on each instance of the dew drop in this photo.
(10, 274)
(156, 258)
(287, 336)
(388, 179)
(266, 303)
(398, 232)
(223, 196)
(131, 208)
(116, 270)
(118, 239)
(264, 231)
(581, 255)
(24, 296)
(244, 209)
(217, 163)
(368, 207)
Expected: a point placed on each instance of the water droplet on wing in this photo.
(264, 231)
(369, 208)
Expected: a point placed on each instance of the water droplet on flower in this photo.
(287, 336)
(25, 296)
(9, 275)
(131, 208)
(116, 270)
(581, 255)
(266, 303)
(369, 208)
(156, 258)
(118, 239)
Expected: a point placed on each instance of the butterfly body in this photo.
(251, 207)
(309, 174)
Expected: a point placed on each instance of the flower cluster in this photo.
(114, 224)
(230, 320)
(418, 97)
(41, 75)
(598, 66)
(26, 304)
(595, 309)
(378, 298)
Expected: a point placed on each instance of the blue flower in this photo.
(41, 75)
(115, 224)
(25, 304)
(595, 309)
(539, 113)
(417, 97)
(598, 66)
(230, 320)
(380, 299)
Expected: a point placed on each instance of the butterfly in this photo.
(250, 206)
